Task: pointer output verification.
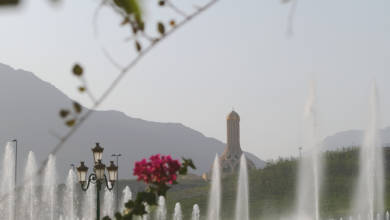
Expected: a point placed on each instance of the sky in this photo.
(236, 55)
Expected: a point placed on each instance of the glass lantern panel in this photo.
(112, 175)
(100, 173)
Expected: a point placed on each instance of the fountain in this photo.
(44, 200)
(29, 197)
(369, 195)
(161, 209)
(213, 212)
(308, 188)
(242, 201)
(126, 196)
(108, 203)
(8, 183)
(178, 214)
(195, 212)
(69, 204)
(89, 203)
(49, 188)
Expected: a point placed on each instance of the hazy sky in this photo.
(235, 55)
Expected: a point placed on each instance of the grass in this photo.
(272, 189)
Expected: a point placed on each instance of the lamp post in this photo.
(300, 152)
(16, 159)
(98, 176)
(16, 169)
(117, 180)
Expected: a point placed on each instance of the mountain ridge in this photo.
(30, 110)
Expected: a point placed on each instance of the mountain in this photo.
(352, 138)
(29, 113)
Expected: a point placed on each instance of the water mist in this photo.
(242, 202)
(310, 165)
(369, 194)
(213, 212)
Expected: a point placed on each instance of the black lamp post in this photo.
(98, 176)
(117, 179)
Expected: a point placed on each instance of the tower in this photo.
(230, 159)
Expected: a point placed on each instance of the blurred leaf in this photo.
(70, 122)
(188, 163)
(130, 204)
(161, 28)
(82, 89)
(125, 21)
(129, 6)
(64, 113)
(148, 197)
(162, 190)
(9, 2)
(138, 46)
(77, 70)
(77, 107)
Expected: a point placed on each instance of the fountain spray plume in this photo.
(49, 195)
(108, 203)
(8, 183)
(29, 196)
(126, 196)
(369, 194)
(242, 202)
(89, 203)
(213, 212)
(69, 204)
(195, 212)
(310, 164)
(178, 213)
(161, 209)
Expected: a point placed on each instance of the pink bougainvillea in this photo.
(158, 170)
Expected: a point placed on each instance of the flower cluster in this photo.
(159, 170)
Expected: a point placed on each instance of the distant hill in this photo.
(29, 112)
(352, 138)
(272, 189)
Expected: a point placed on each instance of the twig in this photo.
(176, 9)
(112, 86)
(290, 18)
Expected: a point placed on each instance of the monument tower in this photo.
(230, 159)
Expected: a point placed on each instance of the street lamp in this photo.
(16, 158)
(98, 176)
(97, 153)
(117, 179)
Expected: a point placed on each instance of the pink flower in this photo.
(159, 169)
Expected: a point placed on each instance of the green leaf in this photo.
(162, 190)
(77, 70)
(77, 107)
(129, 6)
(148, 197)
(130, 204)
(64, 113)
(190, 163)
(70, 122)
(161, 28)
(183, 170)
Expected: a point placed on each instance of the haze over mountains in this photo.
(352, 138)
(29, 113)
